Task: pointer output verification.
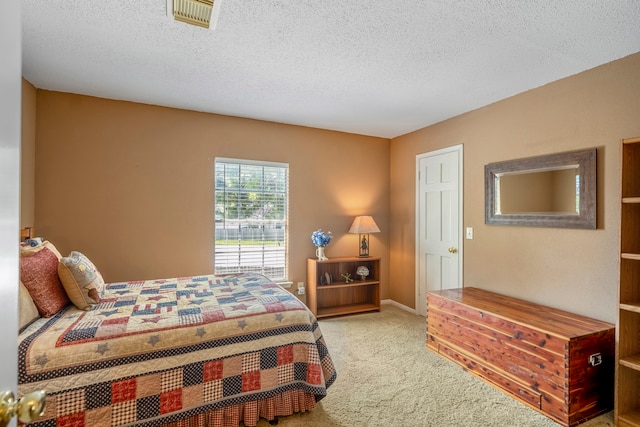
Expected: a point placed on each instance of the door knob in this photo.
(29, 408)
(453, 250)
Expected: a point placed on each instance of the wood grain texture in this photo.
(339, 297)
(627, 396)
(537, 354)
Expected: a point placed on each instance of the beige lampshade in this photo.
(364, 225)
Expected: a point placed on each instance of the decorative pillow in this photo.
(81, 279)
(27, 309)
(39, 273)
(27, 250)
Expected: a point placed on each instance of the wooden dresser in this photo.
(559, 363)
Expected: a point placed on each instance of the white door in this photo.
(10, 96)
(438, 229)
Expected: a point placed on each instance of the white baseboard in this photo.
(397, 304)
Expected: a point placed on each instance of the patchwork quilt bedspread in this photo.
(155, 351)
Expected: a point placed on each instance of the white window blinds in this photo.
(251, 210)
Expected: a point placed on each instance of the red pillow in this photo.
(39, 274)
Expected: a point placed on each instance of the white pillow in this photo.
(27, 310)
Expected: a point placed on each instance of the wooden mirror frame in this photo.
(586, 164)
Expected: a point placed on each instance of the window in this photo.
(251, 210)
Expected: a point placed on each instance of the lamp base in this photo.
(364, 246)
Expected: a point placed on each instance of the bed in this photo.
(188, 351)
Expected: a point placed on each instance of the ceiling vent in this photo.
(203, 13)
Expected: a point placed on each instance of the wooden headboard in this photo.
(27, 233)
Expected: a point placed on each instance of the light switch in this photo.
(469, 233)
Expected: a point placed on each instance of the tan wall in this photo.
(575, 270)
(101, 163)
(131, 185)
(28, 155)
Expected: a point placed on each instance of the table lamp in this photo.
(363, 225)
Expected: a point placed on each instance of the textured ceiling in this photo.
(371, 67)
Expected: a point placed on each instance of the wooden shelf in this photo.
(635, 257)
(627, 404)
(631, 418)
(343, 285)
(630, 306)
(328, 297)
(348, 259)
(346, 309)
(632, 362)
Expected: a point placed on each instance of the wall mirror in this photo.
(554, 190)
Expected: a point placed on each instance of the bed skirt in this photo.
(283, 404)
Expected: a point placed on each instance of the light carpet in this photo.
(387, 377)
